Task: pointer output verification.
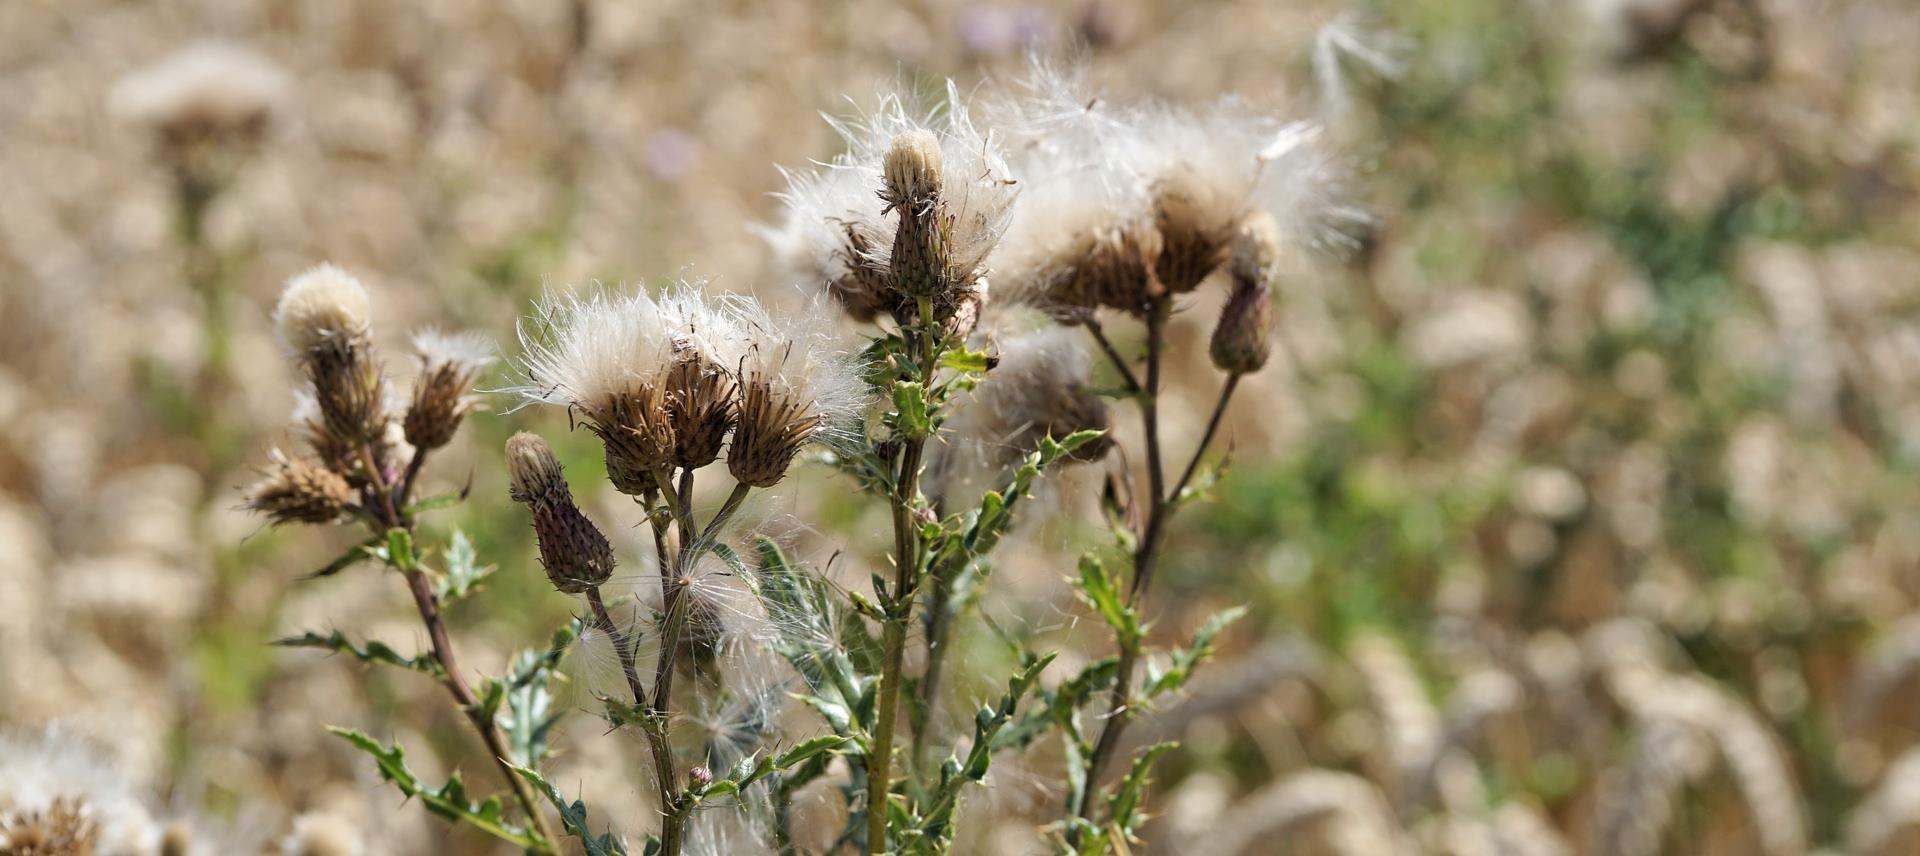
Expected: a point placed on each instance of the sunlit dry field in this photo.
(1565, 484)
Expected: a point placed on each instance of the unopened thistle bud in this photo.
(1242, 340)
(699, 776)
(772, 428)
(920, 264)
(323, 319)
(441, 399)
(576, 556)
(299, 491)
(1194, 237)
(700, 406)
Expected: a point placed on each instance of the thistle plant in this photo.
(956, 402)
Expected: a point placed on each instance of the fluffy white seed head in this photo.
(1042, 386)
(585, 350)
(1094, 172)
(804, 358)
(209, 86)
(470, 351)
(43, 772)
(321, 305)
(836, 226)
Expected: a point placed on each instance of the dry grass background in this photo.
(1579, 517)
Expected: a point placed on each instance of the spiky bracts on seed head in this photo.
(295, 490)
(910, 211)
(600, 356)
(797, 385)
(575, 554)
(449, 365)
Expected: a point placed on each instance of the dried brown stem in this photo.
(427, 604)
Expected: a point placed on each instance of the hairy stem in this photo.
(938, 621)
(924, 346)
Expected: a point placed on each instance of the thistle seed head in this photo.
(944, 202)
(210, 92)
(322, 319)
(575, 554)
(773, 427)
(637, 431)
(66, 827)
(1196, 231)
(441, 394)
(533, 470)
(320, 307)
(911, 169)
(295, 490)
(700, 407)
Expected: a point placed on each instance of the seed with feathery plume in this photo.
(295, 490)
(575, 554)
(449, 364)
(1242, 339)
(322, 318)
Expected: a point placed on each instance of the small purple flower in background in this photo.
(671, 153)
(998, 30)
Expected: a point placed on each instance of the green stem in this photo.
(923, 342)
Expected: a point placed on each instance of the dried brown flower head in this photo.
(295, 490)
(637, 430)
(449, 365)
(322, 319)
(1196, 231)
(700, 407)
(772, 429)
(575, 554)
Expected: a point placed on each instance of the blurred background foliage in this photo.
(1578, 517)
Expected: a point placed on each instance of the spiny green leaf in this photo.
(912, 415)
(1186, 659)
(1102, 592)
(462, 571)
(400, 549)
(375, 652)
(573, 815)
(449, 800)
(1123, 805)
(368, 549)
